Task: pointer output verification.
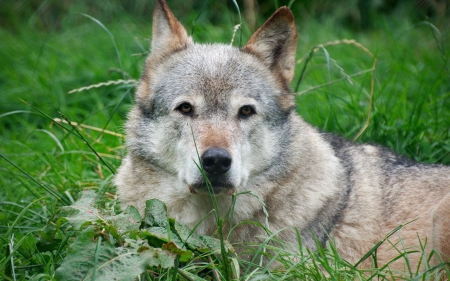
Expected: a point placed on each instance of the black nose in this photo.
(216, 161)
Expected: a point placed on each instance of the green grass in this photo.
(42, 59)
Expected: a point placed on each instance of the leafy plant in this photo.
(110, 245)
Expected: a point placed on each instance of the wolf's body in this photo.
(237, 105)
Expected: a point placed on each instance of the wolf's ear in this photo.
(275, 42)
(168, 33)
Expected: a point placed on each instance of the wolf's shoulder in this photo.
(346, 150)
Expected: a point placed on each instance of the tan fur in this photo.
(441, 227)
(318, 183)
(372, 218)
(212, 135)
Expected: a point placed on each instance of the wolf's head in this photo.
(217, 106)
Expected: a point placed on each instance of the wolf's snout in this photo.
(216, 161)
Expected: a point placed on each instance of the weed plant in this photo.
(55, 144)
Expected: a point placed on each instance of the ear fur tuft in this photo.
(275, 43)
(169, 35)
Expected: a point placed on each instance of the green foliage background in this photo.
(49, 48)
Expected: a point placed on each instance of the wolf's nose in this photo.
(216, 161)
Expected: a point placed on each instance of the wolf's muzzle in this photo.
(216, 161)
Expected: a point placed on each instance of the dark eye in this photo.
(246, 111)
(185, 108)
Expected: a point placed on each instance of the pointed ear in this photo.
(276, 43)
(168, 33)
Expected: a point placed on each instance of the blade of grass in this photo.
(438, 37)
(11, 250)
(103, 84)
(6, 260)
(198, 16)
(17, 112)
(374, 248)
(87, 143)
(240, 22)
(53, 137)
(49, 190)
(31, 190)
(22, 213)
(175, 268)
(96, 255)
(116, 107)
(21, 207)
(49, 118)
(290, 3)
(119, 59)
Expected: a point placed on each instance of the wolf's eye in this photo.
(246, 111)
(185, 108)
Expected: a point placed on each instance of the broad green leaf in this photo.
(213, 244)
(110, 263)
(197, 242)
(190, 276)
(157, 236)
(235, 268)
(128, 220)
(83, 211)
(185, 255)
(155, 213)
(190, 239)
(48, 239)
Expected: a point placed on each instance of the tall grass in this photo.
(46, 161)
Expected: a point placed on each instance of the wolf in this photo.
(232, 112)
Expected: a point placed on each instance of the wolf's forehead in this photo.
(213, 70)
